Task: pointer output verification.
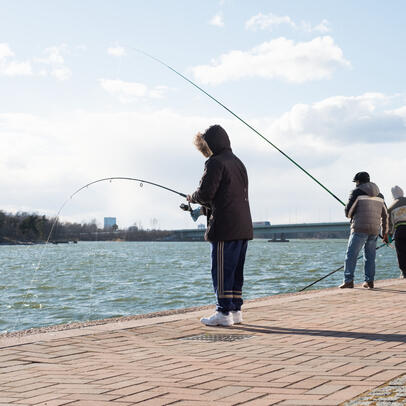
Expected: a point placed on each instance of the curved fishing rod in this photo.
(239, 118)
(336, 270)
(36, 268)
(142, 181)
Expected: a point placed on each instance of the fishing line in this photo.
(91, 307)
(18, 318)
(240, 119)
(37, 267)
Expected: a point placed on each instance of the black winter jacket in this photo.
(224, 190)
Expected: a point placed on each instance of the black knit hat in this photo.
(362, 177)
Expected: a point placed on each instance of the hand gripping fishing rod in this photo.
(240, 119)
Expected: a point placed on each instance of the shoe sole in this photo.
(218, 325)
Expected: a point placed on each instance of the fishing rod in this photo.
(142, 181)
(240, 119)
(56, 219)
(336, 270)
(246, 124)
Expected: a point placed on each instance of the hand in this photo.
(385, 238)
(189, 198)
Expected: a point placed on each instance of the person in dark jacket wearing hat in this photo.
(367, 210)
(223, 194)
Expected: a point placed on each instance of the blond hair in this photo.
(202, 145)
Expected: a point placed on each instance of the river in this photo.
(53, 284)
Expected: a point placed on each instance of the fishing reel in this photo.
(186, 207)
(194, 213)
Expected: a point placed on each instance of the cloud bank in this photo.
(44, 159)
(127, 92)
(11, 67)
(271, 21)
(55, 63)
(277, 59)
(345, 120)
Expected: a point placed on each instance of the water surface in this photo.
(96, 280)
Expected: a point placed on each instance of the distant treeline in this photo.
(27, 227)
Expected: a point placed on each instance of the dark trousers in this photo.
(227, 272)
(400, 244)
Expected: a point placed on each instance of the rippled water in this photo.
(96, 280)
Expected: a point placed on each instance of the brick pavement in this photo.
(317, 348)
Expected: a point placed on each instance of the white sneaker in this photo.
(218, 319)
(237, 316)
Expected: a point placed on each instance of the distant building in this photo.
(259, 224)
(109, 222)
(201, 226)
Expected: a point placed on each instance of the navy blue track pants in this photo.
(227, 272)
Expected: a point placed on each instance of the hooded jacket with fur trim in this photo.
(224, 190)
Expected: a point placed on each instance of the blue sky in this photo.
(322, 80)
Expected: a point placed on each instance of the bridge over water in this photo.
(278, 231)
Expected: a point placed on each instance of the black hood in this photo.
(217, 139)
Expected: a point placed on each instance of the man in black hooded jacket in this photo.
(223, 193)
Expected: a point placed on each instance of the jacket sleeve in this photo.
(351, 200)
(390, 219)
(209, 183)
(384, 217)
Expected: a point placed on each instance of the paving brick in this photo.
(347, 393)
(225, 391)
(315, 348)
(96, 403)
(54, 402)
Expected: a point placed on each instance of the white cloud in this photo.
(10, 67)
(279, 58)
(44, 159)
(323, 27)
(52, 61)
(345, 120)
(271, 21)
(217, 21)
(158, 92)
(268, 21)
(16, 69)
(5, 51)
(61, 73)
(53, 57)
(127, 92)
(116, 51)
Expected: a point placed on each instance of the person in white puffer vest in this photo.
(367, 210)
(397, 226)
